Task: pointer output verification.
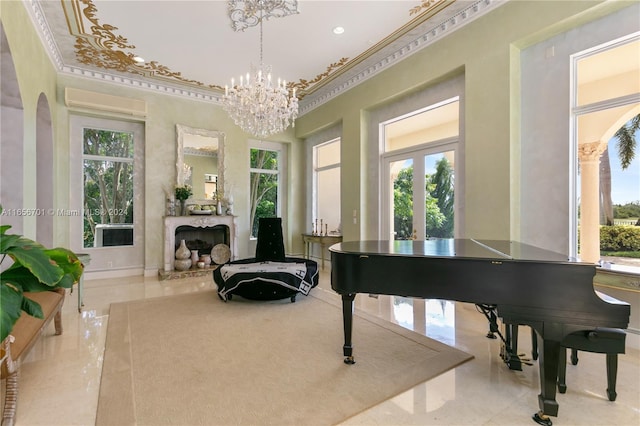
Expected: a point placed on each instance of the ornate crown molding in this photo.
(339, 76)
(46, 35)
(408, 45)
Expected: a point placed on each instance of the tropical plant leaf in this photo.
(32, 308)
(8, 241)
(10, 301)
(21, 277)
(33, 256)
(68, 261)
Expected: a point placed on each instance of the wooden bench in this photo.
(23, 336)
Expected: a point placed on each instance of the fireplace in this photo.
(200, 233)
(202, 239)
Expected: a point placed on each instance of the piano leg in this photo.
(347, 319)
(548, 361)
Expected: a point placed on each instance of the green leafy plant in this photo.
(183, 192)
(35, 268)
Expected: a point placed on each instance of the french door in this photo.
(419, 192)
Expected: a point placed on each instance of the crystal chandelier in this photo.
(258, 105)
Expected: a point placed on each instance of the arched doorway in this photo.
(12, 136)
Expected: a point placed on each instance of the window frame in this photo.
(315, 215)
(109, 258)
(280, 149)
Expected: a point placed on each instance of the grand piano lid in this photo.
(459, 248)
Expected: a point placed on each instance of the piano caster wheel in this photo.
(542, 419)
(349, 360)
(490, 335)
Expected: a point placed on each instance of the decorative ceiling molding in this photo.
(104, 49)
(46, 35)
(244, 13)
(409, 44)
(337, 78)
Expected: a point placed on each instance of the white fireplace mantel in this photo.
(201, 221)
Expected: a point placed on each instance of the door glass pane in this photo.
(401, 173)
(439, 195)
(108, 188)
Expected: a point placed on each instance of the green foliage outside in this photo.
(108, 184)
(438, 203)
(627, 211)
(264, 186)
(620, 239)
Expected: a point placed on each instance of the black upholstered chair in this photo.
(270, 275)
(270, 244)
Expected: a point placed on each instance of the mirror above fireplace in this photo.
(200, 155)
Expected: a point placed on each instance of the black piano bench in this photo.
(609, 341)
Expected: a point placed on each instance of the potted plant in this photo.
(35, 268)
(182, 193)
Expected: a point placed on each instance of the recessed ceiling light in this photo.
(338, 30)
(138, 59)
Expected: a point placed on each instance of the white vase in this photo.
(183, 251)
(182, 264)
(194, 257)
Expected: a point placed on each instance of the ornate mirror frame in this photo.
(181, 131)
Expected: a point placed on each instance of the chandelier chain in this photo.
(257, 105)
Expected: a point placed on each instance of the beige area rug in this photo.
(195, 360)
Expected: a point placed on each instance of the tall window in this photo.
(108, 187)
(265, 183)
(419, 173)
(326, 202)
(605, 106)
(106, 177)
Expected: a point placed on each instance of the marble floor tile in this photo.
(60, 379)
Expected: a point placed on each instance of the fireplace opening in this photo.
(202, 239)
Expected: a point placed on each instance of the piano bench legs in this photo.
(609, 341)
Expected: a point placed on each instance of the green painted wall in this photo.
(486, 51)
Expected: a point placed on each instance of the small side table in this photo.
(85, 259)
(323, 240)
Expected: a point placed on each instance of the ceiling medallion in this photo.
(249, 13)
(258, 105)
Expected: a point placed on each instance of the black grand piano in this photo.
(527, 285)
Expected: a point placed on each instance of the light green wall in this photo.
(36, 75)
(484, 52)
(163, 113)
